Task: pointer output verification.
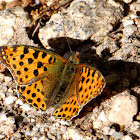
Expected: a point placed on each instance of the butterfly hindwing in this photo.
(69, 109)
(33, 94)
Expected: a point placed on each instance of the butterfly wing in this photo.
(29, 64)
(33, 94)
(37, 72)
(70, 108)
(90, 83)
(38, 93)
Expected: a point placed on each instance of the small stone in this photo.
(127, 22)
(127, 1)
(106, 130)
(42, 138)
(7, 79)
(111, 131)
(19, 102)
(97, 124)
(10, 99)
(34, 138)
(3, 117)
(138, 116)
(1, 77)
(74, 134)
(135, 6)
(129, 30)
(4, 89)
(123, 108)
(127, 137)
(2, 95)
(26, 107)
(7, 127)
(117, 135)
(102, 117)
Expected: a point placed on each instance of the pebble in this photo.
(135, 6)
(1, 76)
(123, 108)
(127, 137)
(127, 1)
(19, 102)
(2, 117)
(7, 127)
(129, 30)
(127, 22)
(12, 26)
(7, 79)
(42, 138)
(26, 107)
(106, 130)
(4, 89)
(97, 124)
(74, 134)
(95, 19)
(102, 117)
(2, 95)
(117, 135)
(10, 99)
(34, 138)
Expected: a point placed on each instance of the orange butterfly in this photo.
(46, 79)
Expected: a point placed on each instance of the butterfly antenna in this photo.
(66, 36)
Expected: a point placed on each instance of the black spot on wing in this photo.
(35, 54)
(39, 64)
(44, 55)
(25, 69)
(35, 72)
(20, 63)
(26, 50)
(30, 60)
(21, 56)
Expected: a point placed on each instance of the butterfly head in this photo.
(74, 59)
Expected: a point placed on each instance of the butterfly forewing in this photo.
(89, 85)
(29, 64)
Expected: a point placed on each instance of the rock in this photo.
(82, 20)
(127, 137)
(123, 108)
(102, 117)
(127, 1)
(10, 99)
(116, 135)
(129, 30)
(12, 27)
(7, 126)
(74, 134)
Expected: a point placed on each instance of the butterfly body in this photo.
(46, 79)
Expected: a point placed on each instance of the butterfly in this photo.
(45, 79)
